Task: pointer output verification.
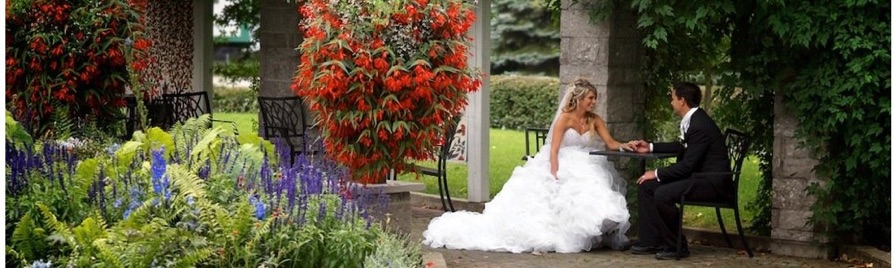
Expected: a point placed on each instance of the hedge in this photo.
(235, 101)
(518, 102)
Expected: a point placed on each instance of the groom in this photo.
(701, 148)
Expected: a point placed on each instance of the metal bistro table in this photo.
(641, 156)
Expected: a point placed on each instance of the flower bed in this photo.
(188, 197)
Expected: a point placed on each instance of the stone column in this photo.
(792, 173)
(607, 54)
(278, 37)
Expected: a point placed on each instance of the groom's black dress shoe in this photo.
(672, 254)
(644, 250)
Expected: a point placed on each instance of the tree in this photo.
(524, 38)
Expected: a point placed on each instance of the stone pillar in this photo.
(792, 173)
(608, 55)
(278, 37)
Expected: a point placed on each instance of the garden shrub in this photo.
(235, 101)
(396, 251)
(518, 102)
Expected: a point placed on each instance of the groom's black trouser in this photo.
(658, 214)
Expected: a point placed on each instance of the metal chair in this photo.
(183, 106)
(737, 144)
(441, 171)
(158, 114)
(285, 118)
(539, 140)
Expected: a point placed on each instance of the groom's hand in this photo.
(649, 175)
(639, 146)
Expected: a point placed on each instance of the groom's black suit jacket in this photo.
(702, 149)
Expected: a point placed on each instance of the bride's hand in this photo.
(554, 172)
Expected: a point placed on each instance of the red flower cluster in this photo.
(383, 81)
(73, 54)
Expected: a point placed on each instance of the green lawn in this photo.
(245, 122)
(506, 149)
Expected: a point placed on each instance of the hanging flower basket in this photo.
(384, 76)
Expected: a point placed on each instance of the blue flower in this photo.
(190, 200)
(134, 201)
(127, 213)
(41, 264)
(160, 181)
(111, 149)
(260, 210)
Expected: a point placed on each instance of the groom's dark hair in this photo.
(690, 92)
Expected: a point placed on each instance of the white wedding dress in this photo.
(585, 208)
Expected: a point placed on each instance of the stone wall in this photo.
(792, 173)
(278, 36)
(608, 55)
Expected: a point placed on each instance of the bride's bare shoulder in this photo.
(565, 116)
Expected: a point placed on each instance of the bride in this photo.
(562, 200)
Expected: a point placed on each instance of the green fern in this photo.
(28, 237)
(204, 148)
(57, 226)
(63, 126)
(13, 256)
(186, 183)
(91, 229)
(193, 258)
(261, 232)
(108, 256)
(193, 125)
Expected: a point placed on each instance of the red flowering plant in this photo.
(383, 76)
(69, 59)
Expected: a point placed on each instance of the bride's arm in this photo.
(610, 143)
(555, 142)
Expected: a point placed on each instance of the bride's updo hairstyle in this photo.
(578, 91)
